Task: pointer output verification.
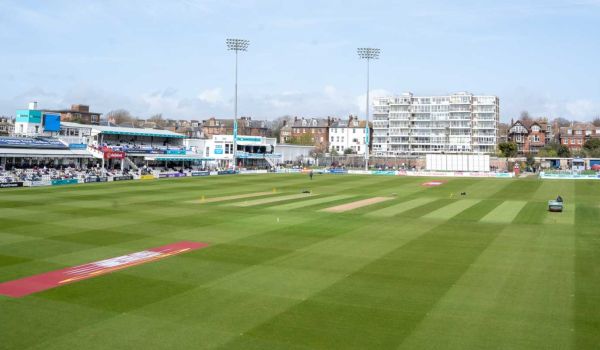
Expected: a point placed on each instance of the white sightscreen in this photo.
(457, 162)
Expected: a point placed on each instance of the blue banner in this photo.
(175, 151)
(227, 172)
(51, 122)
(383, 172)
(64, 182)
(200, 173)
(25, 142)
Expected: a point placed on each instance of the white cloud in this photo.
(582, 108)
(211, 96)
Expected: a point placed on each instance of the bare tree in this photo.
(596, 121)
(525, 118)
(119, 116)
(562, 122)
(158, 120)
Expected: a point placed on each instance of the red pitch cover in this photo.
(28, 285)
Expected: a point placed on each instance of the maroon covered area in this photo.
(28, 285)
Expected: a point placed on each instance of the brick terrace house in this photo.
(517, 133)
(537, 138)
(577, 134)
(313, 131)
(530, 137)
(246, 126)
(78, 113)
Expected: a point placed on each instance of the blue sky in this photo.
(170, 57)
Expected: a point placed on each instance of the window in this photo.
(577, 132)
(331, 138)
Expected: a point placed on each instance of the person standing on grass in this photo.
(310, 174)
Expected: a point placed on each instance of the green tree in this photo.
(530, 159)
(508, 149)
(547, 152)
(348, 151)
(563, 151)
(592, 144)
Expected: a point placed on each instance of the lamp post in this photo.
(236, 45)
(368, 54)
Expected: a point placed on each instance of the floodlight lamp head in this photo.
(237, 44)
(368, 53)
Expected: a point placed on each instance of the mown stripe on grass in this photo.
(504, 213)
(566, 217)
(355, 205)
(389, 296)
(532, 213)
(476, 212)
(507, 305)
(587, 275)
(452, 209)
(229, 198)
(401, 207)
(271, 200)
(310, 202)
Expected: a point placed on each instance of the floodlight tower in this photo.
(236, 45)
(367, 53)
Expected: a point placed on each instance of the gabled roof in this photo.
(120, 130)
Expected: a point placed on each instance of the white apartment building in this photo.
(458, 123)
(347, 134)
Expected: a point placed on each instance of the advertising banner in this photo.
(147, 177)
(114, 154)
(359, 172)
(77, 146)
(383, 172)
(58, 182)
(175, 151)
(162, 176)
(338, 171)
(200, 173)
(11, 184)
(23, 142)
(95, 179)
(38, 183)
(227, 172)
(143, 151)
(123, 178)
(254, 171)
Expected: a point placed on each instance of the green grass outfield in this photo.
(428, 269)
